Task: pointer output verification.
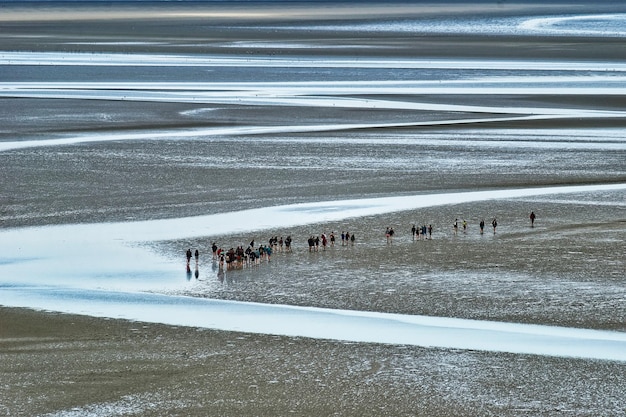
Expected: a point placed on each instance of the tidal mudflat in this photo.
(141, 130)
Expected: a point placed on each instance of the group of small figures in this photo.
(455, 225)
(419, 233)
(236, 258)
(314, 241)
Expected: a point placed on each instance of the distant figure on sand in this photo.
(532, 219)
(455, 225)
(413, 230)
(196, 255)
(188, 254)
(494, 223)
(482, 226)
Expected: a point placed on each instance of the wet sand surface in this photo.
(87, 366)
(568, 270)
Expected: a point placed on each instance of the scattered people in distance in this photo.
(332, 239)
(482, 226)
(430, 231)
(464, 226)
(343, 238)
(352, 239)
(413, 230)
(532, 219)
(188, 254)
(494, 223)
(455, 225)
(424, 231)
(214, 249)
(196, 255)
(347, 237)
(288, 244)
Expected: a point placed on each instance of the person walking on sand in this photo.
(188, 254)
(196, 255)
(532, 219)
(387, 235)
(464, 225)
(494, 223)
(352, 239)
(214, 249)
(482, 226)
(413, 230)
(455, 226)
(430, 231)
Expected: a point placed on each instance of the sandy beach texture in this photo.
(566, 271)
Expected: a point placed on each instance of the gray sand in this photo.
(567, 271)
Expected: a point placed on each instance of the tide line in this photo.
(331, 324)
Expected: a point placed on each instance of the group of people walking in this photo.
(236, 258)
(329, 240)
(420, 232)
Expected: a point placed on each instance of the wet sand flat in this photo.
(567, 271)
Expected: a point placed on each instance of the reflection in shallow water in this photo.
(113, 241)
